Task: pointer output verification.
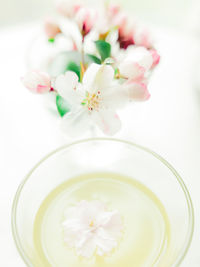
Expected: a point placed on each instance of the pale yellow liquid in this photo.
(146, 234)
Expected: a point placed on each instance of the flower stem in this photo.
(82, 60)
(82, 53)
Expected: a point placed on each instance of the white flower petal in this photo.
(107, 120)
(72, 233)
(66, 84)
(113, 223)
(88, 247)
(76, 122)
(137, 91)
(98, 77)
(90, 75)
(105, 242)
(104, 77)
(141, 56)
(112, 37)
(131, 70)
(90, 210)
(115, 97)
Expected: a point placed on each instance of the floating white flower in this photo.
(93, 100)
(91, 229)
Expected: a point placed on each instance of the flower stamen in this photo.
(91, 224)
(92, 101)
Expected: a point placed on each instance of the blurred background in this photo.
(172, 13)
(169, 123)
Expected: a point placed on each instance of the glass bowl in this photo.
(107, 155)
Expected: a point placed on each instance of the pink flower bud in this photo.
(51, 28)
(37, 82)
(126, 31)
(155, 56)
(85, 19)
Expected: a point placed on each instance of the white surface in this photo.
(169, 124)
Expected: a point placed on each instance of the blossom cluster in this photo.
(113, 62)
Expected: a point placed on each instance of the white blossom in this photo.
(91, 228)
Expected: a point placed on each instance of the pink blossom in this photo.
(137, 62)
(37, 82)
(125, 40)
(155, 56)
(85, 18)
(51, 28)
(126, 31)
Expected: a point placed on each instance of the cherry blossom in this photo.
(85, 18)
(91, 228)
(92, 101)
(137, 61)
(109, 60)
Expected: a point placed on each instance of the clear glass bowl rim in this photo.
(144, 149)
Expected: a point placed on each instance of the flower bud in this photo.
(85, 18)
(37, 82)
(51, 28)
(126, 30)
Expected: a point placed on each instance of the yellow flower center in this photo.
(92, 101)
(91, 224)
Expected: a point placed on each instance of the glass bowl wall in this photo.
(107, 155)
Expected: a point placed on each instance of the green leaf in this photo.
(109, 61)
(63, 60)
(103, 48)
(94, 58)
(51, 40)
(75, 68)
(62, 105)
